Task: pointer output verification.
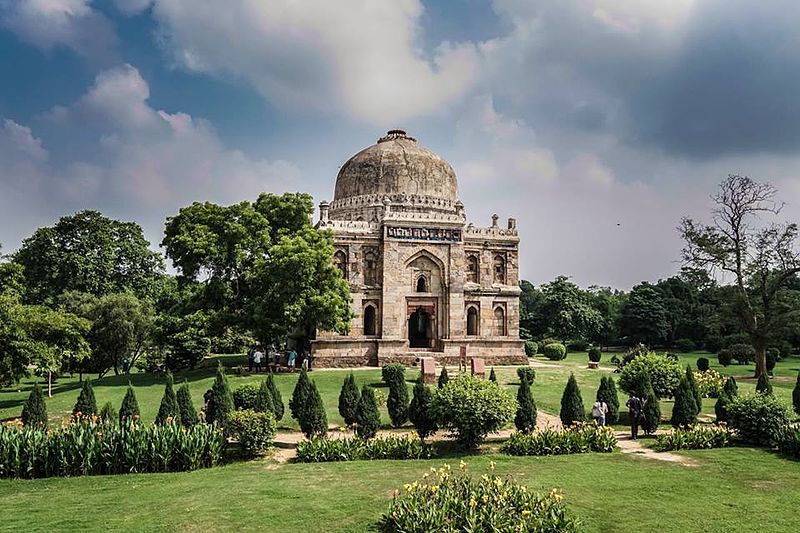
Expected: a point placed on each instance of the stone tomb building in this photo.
(423, 281)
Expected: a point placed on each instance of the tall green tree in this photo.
(443, 378)
(397, 402)
(307, 407)
(368, 419)
(221, 402)
(607, 392)
(525, 418)
(419, 411)
(644, 316)
(90, 253)
(567, 310)
(277, 399)
(762, 258)
(86, 405)
(684, 410)
(188, 414)
(651, 412)
(129, 410)
(695, 388)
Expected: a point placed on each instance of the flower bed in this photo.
(694, 438)
(579, 438)
(454, 501)
(87, 447)
(322, 449)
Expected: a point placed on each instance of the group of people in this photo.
(256, 359)
(635, 407)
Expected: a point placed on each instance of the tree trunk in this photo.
(761, 356)
(49, 384)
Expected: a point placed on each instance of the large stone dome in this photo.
(396, 166)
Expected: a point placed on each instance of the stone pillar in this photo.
(323, 212)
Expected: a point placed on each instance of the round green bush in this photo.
(685, 345)
(252, 429)
(531, 347)
(742, 353)
(758, 418)
(526, 372)
(702, 364)
(714, 343)
(555, 351)
(246, 396)
(393, 371)
(471, 408)
(595, 354)
(548, 340)
(724, 357)
(665, 374)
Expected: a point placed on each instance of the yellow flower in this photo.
(434, 488)
(558, 497)
(526, 512)
(485, 499)
(408, 487)
(472, 503)
(492, 465)
(462, 465)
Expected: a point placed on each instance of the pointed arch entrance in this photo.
(420, 328)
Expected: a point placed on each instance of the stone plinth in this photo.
(478, 367)
(428, 365)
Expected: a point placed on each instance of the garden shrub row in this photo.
(694, 438)
(323, 449)
(578, 438)
(89, 447)
(455, 501)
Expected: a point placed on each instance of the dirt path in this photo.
(628, 445)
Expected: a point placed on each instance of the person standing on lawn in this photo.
(258, 357)
(599, 410)
(635, 406)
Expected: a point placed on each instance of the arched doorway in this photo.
(369, 320)
(420, 329)
(472, 321)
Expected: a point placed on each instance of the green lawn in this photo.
(736, 489)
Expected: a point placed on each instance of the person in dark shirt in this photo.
(635, 406)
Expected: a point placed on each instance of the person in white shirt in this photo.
(599, 410)
(258, 356)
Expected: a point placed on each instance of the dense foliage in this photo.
(397, 402)
(188, 414)
(525, 418)
(796, 395)
(572, 409)
(595, 354)
(420, 413)
(788, 441)
(694, 438)
(86, 405)
(87, 447)
(527, 373)
(221, 401)
(168, 411)
(664, 374)
(254, 430)
(578, 438)
(129, 410)
(275, 395)
(684, 410)
(247, 397)
(368, 419)
(34, 412)
(307, 408)
(651, 411)
(443, 378)
(455, 501)
(348, 400)
(607, 392)
(758, 418)
(322, 450)
(393, 372)
(555, 351)
(471, 408)
(763, 385)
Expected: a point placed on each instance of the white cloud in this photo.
(140, 163)
(48, 24)
(351, 57)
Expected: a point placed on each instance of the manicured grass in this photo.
(735, 489)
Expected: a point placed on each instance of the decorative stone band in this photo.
(494, 233)
(424, 234)
(352, 226)
(414, 200)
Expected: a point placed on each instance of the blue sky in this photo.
(598, 124)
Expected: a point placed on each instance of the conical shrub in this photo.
(263, 402)
(731, 388)
(277, 400)
(721, 408)
(695, 389)
(34, 412)
(108, 414)
(168, 410)
(492, 375)
(221, 401)
(188, 414)
(796, 395)
(348, 400)
(397, 402)
(684, 411)
(300, 394)
(368, 419)
(443, 378)
(764, 386)
(651, 412)
(419, 411)
(572, 409)
(607, 392)
(525, 419)
(307, 407)
(129, 410)
(86, 404)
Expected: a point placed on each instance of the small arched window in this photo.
(472, 321)
(422, 284)
(370, 268)
(499, 269)
(472, 269)
(499, 329)
(340, 262)
(369, 320)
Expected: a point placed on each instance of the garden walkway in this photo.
(628, 445)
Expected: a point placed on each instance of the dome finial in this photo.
(395, 134)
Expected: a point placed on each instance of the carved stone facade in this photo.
(423, 281)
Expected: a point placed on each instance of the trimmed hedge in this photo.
(253, 429)
(555, 351)
(759, 418)
(595, 354)
(393, 371)
(578, 438)
(527, 373)
(665, 374)
(322, 449)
